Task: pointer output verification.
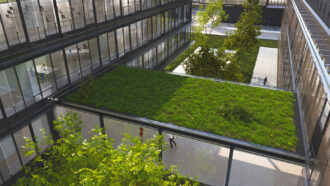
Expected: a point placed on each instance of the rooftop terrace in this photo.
(257, 115)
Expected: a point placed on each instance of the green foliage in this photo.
(209, 16)
(219, 65)
(245, 36)
(72, 160)
(195, 103)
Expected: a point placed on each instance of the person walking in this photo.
(171, 139)
(265, 81)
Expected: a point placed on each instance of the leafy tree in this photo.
(216, 64)
(72, 160)
(209, 17)
(245, 36)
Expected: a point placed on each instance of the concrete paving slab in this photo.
(266, 66)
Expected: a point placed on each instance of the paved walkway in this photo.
(205, 160)
(267, 32)
(266, 66)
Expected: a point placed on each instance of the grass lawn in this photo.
(246, 61)
(253, 114)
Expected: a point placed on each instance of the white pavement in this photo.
(197, 158)
(267, 32)
(266, 66)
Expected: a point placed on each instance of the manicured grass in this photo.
(257, 115)
(246, 61)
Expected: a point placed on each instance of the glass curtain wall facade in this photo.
(28, 83)
(25, 21)
(300, 71)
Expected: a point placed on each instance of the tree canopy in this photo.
(72, 160)
(245, 36)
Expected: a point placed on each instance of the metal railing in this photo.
(216, 160)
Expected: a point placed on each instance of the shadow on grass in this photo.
(131, 91)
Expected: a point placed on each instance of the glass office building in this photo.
(48, 46)
(304, 58)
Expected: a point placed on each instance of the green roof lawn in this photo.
(256, 115)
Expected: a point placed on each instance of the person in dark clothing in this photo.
(265, 81)
(171, 139)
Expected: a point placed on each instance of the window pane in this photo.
(19, 137)
(100, 10)
(117, 7)
(85, 58)
(9, 160)
(33, 19)
(12, 23)
(77, 13)
(197, 158)
(104, 49)
(133, 36)
(48, 15)
(73, 63)
(89, 121)
(112, 45)
(124, 5)
(116, 129)
(46, 75)
(3, 42)
(65, 15)
(120, 42)
(93, 45)
(59, 68)
(139, 33)
(29, 83)
(246, 166)
(126, 38)
(109, 9)
(37, 125)
(10, 93)
(89, 11)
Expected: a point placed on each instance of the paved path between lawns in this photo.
(267, 32)
(266, 66)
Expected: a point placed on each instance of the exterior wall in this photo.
(298, 72)
(26, 84)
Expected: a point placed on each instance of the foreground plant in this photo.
(72, 160)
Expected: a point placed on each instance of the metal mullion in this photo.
(15, 144)
(81, 72)
(99, 51)
(33, 136)
(51, 63)
(20, 88)
(57, 17)
(130, 39)
(121, 8)
(66, 66)
(115, 33)
(230, 160)
(113, 10)
(50, 119)
(2, 109)
(72, 18)
(90, 56)
(35, 70)
(4, 31)
(42, 17)
(94, 12)
(101, 117)
(19, 6)
(83, 6)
